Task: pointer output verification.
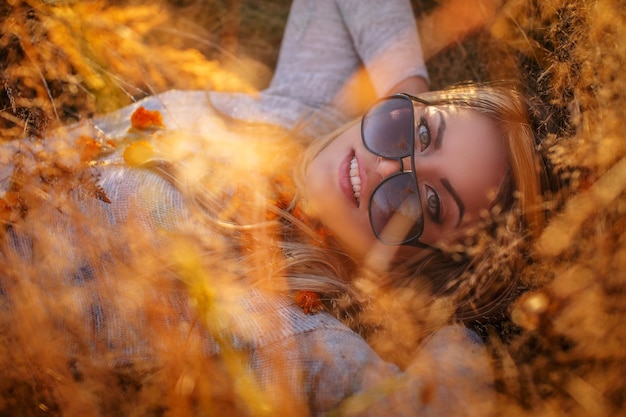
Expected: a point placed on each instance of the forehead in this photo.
(468, 127)
(474, 156)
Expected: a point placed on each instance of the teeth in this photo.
(355, 180)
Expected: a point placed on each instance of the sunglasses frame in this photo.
(412, 241)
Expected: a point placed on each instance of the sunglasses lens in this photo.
(388, 127)
(396, 210)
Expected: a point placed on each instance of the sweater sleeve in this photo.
(327, 42)
(386, 39)
(334, 372)
(319, 83)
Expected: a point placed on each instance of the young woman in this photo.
(191, 239)
(151, 256)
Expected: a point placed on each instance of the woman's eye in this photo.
(423, 135)
(433, 204)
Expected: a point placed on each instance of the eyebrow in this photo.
(455, 196)
(440, 130)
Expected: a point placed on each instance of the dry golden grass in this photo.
(64, 60)
(565, 353)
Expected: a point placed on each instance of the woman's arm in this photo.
(386, 39)
(344, 53)
(336, 57)
(413, 85)
(335, 372)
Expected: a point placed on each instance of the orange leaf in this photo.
(88, 147)
(143, 119)
(308, 301)
(138, 153)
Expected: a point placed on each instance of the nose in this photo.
(387, 167)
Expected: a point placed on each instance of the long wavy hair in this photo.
(477, 275)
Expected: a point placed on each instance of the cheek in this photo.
(328, 157)
(354, 236)
(313, 177)
(478, 194)
(348, 224)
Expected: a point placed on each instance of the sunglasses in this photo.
(395, 209)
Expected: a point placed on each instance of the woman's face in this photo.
(460, 161)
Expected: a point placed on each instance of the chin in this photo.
(380, 257)
(358, 249)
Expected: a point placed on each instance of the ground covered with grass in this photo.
(563, 354)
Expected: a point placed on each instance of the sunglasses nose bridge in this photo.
(405, 164)
(386, 167)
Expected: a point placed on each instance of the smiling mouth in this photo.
(355, 180)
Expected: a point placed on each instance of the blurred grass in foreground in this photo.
(65, 60)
